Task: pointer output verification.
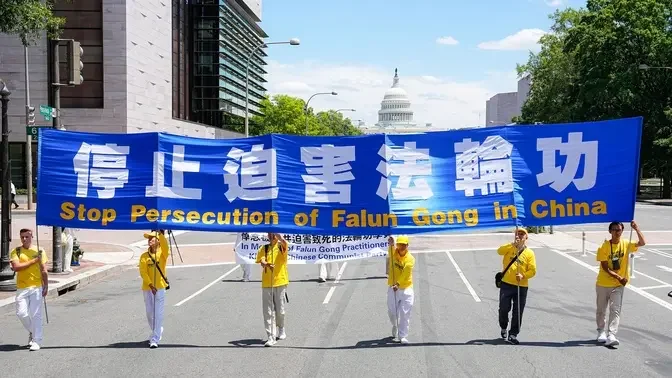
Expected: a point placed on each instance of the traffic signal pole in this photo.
(29, 138)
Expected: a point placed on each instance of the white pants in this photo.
(246, 271)
(273, 304)
(67, 253)
(29, 310)
(154, 304)
(333, 270)
(612, 298)
(404, 299)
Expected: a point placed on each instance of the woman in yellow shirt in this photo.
(274, 281)
(154, 283)
(400, 295)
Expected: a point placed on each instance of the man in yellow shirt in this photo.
(154, 283)
(522, 266)
(400, 296)
(274, 281)
(32, 284)
(612, 278)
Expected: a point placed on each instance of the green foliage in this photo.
(536, 229)
(588, 69)
(28, 19)
(284, 114)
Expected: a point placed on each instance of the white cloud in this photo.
(526, 39)
(447, 41)
(554, 3)
(439, 100)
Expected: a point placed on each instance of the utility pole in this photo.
(57, 258)
(74, 77)
(6, 273)
(30, 114)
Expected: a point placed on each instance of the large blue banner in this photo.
(365, 185)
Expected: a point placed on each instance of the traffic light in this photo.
(31, 116)
(75, 65)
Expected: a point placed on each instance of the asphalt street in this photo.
(217, 329)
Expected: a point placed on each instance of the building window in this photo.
(84, 24)
(181, 59)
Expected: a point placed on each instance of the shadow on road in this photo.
(365, 344)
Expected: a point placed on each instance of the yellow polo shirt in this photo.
(619, 251)
(275, 255)
(31, 276)
(526, 259)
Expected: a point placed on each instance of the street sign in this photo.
(47, 112)
(33, 131)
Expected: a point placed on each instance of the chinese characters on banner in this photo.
(368, 185)
(314, 249)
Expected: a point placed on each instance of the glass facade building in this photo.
(224, 36)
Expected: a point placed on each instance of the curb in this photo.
(75, 282)
(657, 203)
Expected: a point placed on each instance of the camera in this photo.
(616, 263)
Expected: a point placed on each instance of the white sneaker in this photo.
(601, 337)
(153, 345)
(395, 332)
(271, 341)
(30, 340)
(34, 346)
(281, 334)
(404, 340)
(612, 341)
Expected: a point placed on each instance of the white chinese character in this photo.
(179, 167)
(485, 167)
(414, 162)
(251, 176)
(328, 167)
(559, 177)
(107, 169)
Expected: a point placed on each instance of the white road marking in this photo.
(200, 265)
(665, 268)
(143, 242)
(660, 253)
(463, 277)
(337, 280)
(655, 287)
(637, 290)
(207, 286)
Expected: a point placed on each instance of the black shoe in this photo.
(503, 333)
(513, 340)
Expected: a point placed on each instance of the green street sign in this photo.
(33, 131)
(47, 112)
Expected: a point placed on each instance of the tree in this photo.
(28, 19)
(588, 69)
(284, 114)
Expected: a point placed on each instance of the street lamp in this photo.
(6, 273)
(305, 108)
(345, 110)
(293, 42)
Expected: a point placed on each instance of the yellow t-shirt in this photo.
(526, 260)
(149, 274)
(608, 252)
(31, 276)
(401, 269)
(278, 257)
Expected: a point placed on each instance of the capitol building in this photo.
(395, 115)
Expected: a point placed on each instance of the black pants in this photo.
(508, 295)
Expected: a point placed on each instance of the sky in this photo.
(452, 55)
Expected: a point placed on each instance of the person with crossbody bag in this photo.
(154, 286)
(513, 283)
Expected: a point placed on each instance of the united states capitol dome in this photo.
(395, 109)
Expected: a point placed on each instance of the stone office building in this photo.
(172, 66)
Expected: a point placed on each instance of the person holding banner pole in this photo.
(274, 281)
(400, 295)
(32, 283)
(154, 286)
(612, 278)
(513, 283)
